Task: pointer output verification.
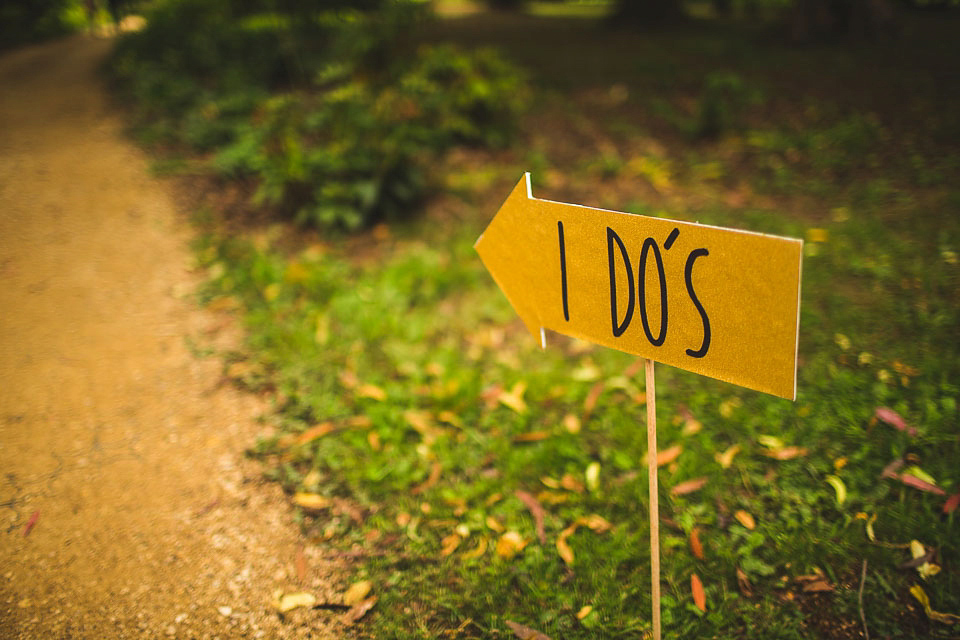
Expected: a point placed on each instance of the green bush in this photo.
(355, 153)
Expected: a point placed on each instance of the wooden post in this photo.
(651, 389)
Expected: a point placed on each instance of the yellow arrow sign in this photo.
(720, 302)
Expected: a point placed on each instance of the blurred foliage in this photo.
(24, 22)
(336, 126)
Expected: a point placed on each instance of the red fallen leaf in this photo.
(695, 546)
(922, 485)
(536, 510)
(699, 595)
(525, 633)
(890, 471)
(951, 504)
(894, 419)
(31, 523)
(592, 398)
(688, 486)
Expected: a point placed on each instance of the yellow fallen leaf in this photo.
(292, 601)
(371, 391)
(838, 487)
(726, 458)
(584, 612)
(311, 500)
(691, 426)
(745, 519)
(571, 423)
(564, 550)
(922, 597)
(531, 436)
(477, 551)
(357, 593)
(510, 544)
(494, 524)
(786, 453)
(514, 398)
(592, 476)
(596, 523)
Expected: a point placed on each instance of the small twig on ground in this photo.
(863, 618)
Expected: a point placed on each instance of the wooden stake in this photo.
(651, 389)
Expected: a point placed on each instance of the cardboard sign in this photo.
(719, 302)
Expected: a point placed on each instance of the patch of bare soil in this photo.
(126, 506)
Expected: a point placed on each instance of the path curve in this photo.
(126, 507)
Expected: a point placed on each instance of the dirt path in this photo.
(126, 508)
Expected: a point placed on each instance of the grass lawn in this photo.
(480, 483)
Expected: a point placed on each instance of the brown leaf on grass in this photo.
(315, 432)
(490, 395)
(951, 504)
(435, 472)
(699, 595)
(814, 582)
(449, 544)
(890, 471)
(695, 545)
(510, 544)
(743, 582)
(786, 453)
(525, 633)
(536, 510)
(357, 611)
(668, 455)
(745, 519)
(688, 486)
(922, 485)
(476, 552)
(359, 422)
(591, 402)
(531, 436)
(571, 483)
(357, 592)
(594, 522)
(895, 420)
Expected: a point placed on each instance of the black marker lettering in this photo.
(618, 329)
(688, 276)
(649, 242)
(563, 272)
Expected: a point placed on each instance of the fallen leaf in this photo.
(699, 595)
(894, 419)
(357, 592)
(922, 597)
(477, 551)
(449, 544)
(688, 486)
(525, 633)
(31, 523)
(745, 519)
(435, 472)
(771, 442)
(815, 586)
(536, 510)
(292, 601)
(571, 423)
(571, 483)
(838, 487)
(786, 453)
(371, 391)
(743, 582)
(514, 398)
(592, 476)
(300, 563)
(510, 544)
(349, 379)
(313, 433)
(585, 610)
(357, 612)
(594, 522)
(494, 524)
(691, 426)
(695, 546)
(531, 436)
(951, 504)
(668, 455)
(915, 482)
(313, 501)
(592, 396)
(726, 458)
(564, 550)
(890, 471)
